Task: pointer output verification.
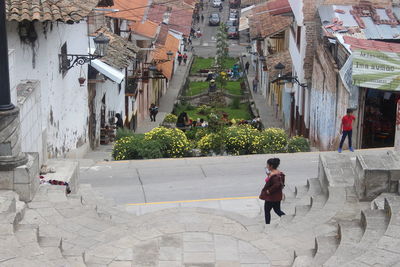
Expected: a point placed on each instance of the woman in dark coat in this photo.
(272, 191)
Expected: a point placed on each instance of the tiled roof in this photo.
(179, 19)
(162, 35)
(132, 10)
(272, 60)
(371, 45)
(275, 7)
(120, 51)
(147, 28)
(171, 44)
(264, 25)
(67, 11)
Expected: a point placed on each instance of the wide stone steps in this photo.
(384, 251)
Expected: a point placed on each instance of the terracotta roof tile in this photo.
(171, 44)
(120, 51)
(162, 35)
(275, 7)
(179, 19)
(371, 45)
(272, 60)
(265, 24)
(49, 10)
(147, 28)
(132, 10)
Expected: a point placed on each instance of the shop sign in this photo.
(376, 69)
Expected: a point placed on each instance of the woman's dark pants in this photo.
(268, 205)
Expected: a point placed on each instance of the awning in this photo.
(105, 69)
(244, 21)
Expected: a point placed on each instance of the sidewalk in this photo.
(266, 112)
(167, 101)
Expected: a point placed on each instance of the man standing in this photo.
(255, 85)
(346, 129)
(179, 58)
(246, 66)
(185, 58)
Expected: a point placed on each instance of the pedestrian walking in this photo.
(185, 58)
(202, 18)
(119, 123)
(246, 67)
(255, 85)
(346, 129)
(179, 58)
(198, 33)
(153, 112)
(272, 191)
(197, 18)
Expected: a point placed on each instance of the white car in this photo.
(216, 3)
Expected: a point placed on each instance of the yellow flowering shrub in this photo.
(212, 142)
(274, 140)
(242, 140)
(170, 118)
(174, 141)
(298, 144)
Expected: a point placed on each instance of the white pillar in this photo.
(397, 135)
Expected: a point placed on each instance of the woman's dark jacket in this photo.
(275, 185)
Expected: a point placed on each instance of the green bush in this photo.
(298, 144)
(242, 140)
(170, 118)
(274, 140)
(135, 147)
(173, 141)
(213, 142)
(123, 132)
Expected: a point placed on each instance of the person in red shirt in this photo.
(346, 128)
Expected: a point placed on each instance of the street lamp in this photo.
(286, 78)
(68, 61)
(169, 54)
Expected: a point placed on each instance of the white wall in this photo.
(29, 102)
(13, 82)
(64, 101)
(297, 8)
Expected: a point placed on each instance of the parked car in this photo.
(233, 33)
(216, 3)
(234, 21)
(214, 19)
(233, 16)
(231, 23)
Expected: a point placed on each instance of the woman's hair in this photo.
(274, 162)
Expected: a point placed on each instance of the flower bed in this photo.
(231, 140)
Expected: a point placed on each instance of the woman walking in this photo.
(272, 191)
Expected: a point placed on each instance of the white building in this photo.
(54, 111)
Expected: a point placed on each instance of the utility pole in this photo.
(10, 144)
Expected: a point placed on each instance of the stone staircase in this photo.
(329, 223)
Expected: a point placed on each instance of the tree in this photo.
(222, 54)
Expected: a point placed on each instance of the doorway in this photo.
(379, 118)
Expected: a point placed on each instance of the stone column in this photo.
(397, 136)
(10, 146)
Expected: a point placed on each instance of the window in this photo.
(298, 36)
(64, 60)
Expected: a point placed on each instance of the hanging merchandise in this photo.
(82, 77)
